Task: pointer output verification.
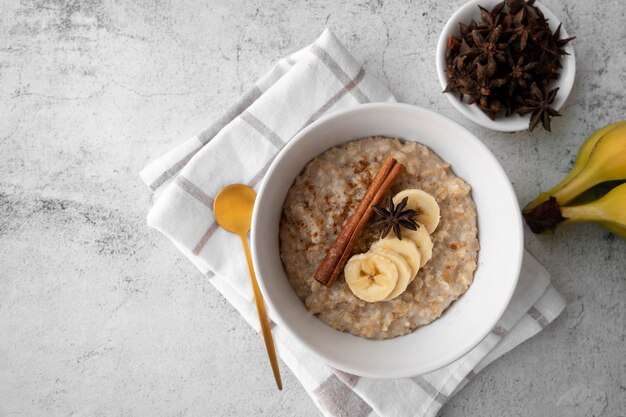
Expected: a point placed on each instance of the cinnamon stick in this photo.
(336, 257)
(382, 191)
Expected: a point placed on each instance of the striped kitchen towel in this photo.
(238, 148)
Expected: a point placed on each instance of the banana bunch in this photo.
(601, 158)
(391, 264)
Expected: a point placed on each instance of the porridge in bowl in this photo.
(414, 275)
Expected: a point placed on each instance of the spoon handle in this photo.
(260, 308)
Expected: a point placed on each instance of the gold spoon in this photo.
(233, 212)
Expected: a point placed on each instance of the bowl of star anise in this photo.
(508, 65)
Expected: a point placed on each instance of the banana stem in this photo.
(545, 217)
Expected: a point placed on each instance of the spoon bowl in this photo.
(233, 208)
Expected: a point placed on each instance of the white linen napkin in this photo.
(238, 148)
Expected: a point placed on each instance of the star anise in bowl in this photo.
(509, 62)
(392, 217)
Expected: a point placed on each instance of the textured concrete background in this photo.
(100, 315)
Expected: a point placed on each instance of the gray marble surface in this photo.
(99, 315)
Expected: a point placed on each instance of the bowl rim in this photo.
(514, 123)
(296, 333)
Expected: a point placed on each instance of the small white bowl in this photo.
(514, 122)
(469, 319)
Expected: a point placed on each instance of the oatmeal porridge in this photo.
(321, 200)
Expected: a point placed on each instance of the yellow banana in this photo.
(609, 211)
(580, 165)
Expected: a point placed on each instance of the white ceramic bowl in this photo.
(514, 122)
(469, 319)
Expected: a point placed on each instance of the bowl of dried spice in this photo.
(508, 66)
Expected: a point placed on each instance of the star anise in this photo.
(549, 71)
(539, 105)
(489, 20)
(521, 73)
(467, 29)
(462, 81)
(392, 217)
(521, 29)
(487, 86)
(527, 5)
(488, 48)
(493, 63)
(556, 44)
(540, 33)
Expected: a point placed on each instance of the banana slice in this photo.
(405, 274)
(422, 240)
(424, 203)
(371, 276)
(404, 247)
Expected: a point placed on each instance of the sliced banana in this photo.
(422, 240)
(405, 274)
(385, 271)
(424, 203)
(371, 276)
(404, 247)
